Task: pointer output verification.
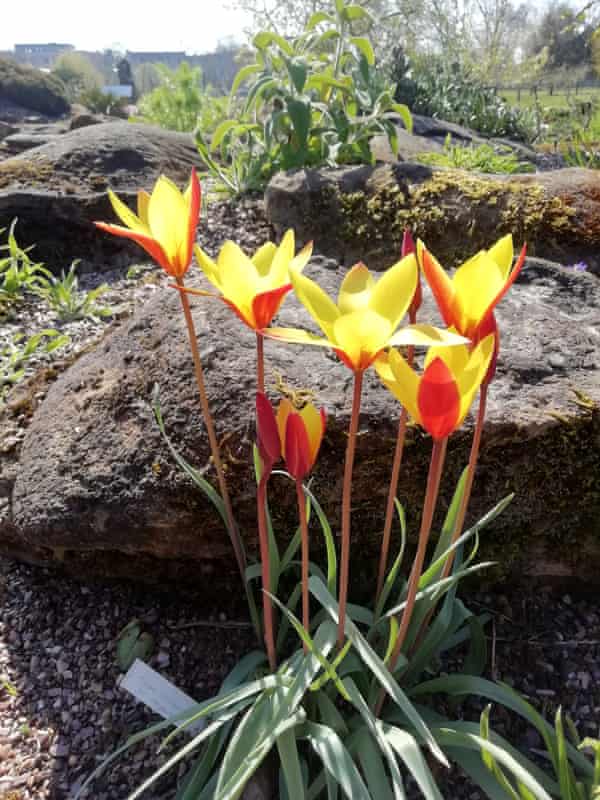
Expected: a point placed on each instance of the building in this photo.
(41, 56)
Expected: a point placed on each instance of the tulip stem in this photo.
(436, 465)
(389, 511)
(260, 363)
(265, 560)
(464, 502)
(212, 437)
(305, 557)
(473, 458)
(346, 505)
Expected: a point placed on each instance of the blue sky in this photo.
(191, 25)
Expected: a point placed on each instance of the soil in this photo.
(62, 710)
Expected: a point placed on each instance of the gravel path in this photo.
(62, 709)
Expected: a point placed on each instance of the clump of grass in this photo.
(476, 158)
(68, 301)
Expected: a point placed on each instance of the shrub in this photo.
(32, 88)
(452, 92)
(68, 301)
(77, 74)
(315, 100)
(181, 103)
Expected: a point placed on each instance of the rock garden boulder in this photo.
(361, 212)
(32, 89)
(95, 487)
(58, 190)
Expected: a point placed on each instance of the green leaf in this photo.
(221, 131)
(366, 48)
(243, 74)
(265, 39)
(404, 114)
(301, 116)
(409, 751)
(376, 730)
(298, 72)
(489, 760)
(457, 685)
(363, 747)
(316, 19)
(290, 764)
(565, 776)
(354, 13)
(336, 759)
(393, 573)
(447, 736)
(133, 643)
(377, 667)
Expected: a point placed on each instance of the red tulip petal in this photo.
(297, 447)
(266, 304)
(438, 400)
(408, 243)
(150, 245)
(267, 434)
(442, 289)
(195, 202)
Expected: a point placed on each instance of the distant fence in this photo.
(550, 87)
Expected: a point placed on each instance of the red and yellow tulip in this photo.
(364, 320)
(165, 225)
(294, 435)
(254, 287)
(439, 400)
(467, 300)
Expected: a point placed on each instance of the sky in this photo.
(196, 26)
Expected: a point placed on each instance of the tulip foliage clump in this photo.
(346, 699)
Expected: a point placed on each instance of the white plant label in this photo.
(159, 694)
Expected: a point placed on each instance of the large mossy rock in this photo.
(95, 486)
(58, 189)
(32, 89)
(360, 213)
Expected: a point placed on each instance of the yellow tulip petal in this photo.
(301, 259)
(362, 332)
(318, 304)
(143, 200)
(168, 217)
(425, 335)
(356, 289)
(296, 336)
(126, 215)
(503, 254)
(283, 412)
(394, 291)
(237, 275)
(404, 384)
(477, 282)
(208, 266)
(475, 371)
(278, 273)
(314, 429)
(263, 258)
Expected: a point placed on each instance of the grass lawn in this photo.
(561, 126)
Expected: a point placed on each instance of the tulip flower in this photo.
(439, 402)
(440, 399)
(364, 320)
(468, 298)
(165, 225)
(295, 435)
(467, 302)
(254, 288)
(358, 327)
(300, 433)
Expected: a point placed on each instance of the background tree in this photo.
(77, 73)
